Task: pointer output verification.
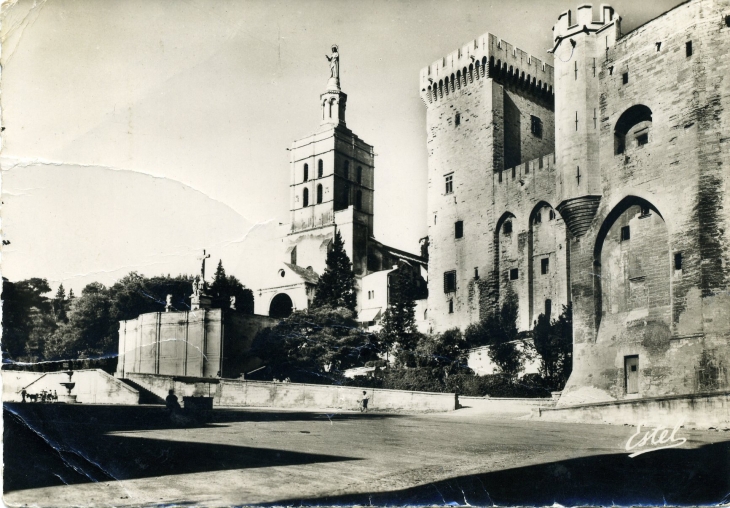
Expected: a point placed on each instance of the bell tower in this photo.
(580, 49)
(332, 184)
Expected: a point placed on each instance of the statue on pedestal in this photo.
(334, 61)
(197, 286)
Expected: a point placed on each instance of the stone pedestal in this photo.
(333, 85)
(68, 399)
(200, 302)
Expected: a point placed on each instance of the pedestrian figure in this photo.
(22, 394)
(171, 402)
(55, 396)
(364, 402)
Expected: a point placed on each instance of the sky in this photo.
(140, 132)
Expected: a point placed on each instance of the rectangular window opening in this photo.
(677, 260)
(507, 228)
(449, 179)
(625, 233)
(450, 281)
(451, 306)
(500, 177)
(476, 272)
(625, 77)
(514, 274)
(642, 139)
(457, 120)
(688, 48)
(658, 46)
(536, 126)
(459, 229)
(544, 266)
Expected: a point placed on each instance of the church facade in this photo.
(602, 180)
(331, 190)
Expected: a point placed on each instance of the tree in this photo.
(314, 346)
(225, 286)
(399, 322)
(554, 343)
(446, 354)
(336, 286)
(498, 330)
(91, 329)
(24, 306)
(60, 304)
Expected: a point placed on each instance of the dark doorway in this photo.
(281, 306)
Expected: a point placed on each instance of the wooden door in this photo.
(631, 368)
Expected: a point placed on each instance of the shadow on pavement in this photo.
(56, 444)
(674, 476)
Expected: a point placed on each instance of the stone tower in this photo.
(332, 182)
(580, 48)
(490, 134)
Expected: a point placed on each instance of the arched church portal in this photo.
(281, 306)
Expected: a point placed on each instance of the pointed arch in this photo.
(633, 233)
(546, 240)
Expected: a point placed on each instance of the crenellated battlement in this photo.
(584, 22)
(524, 173)
(485, 57)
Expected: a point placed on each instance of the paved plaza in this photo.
(59, 455)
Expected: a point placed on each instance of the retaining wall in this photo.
(699, 411)
(240, 393)
(93, 386)
(504, 405)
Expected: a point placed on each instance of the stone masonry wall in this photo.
(682, 172)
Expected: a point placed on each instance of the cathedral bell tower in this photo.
(332, 184)
(580, 49)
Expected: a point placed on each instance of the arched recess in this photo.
(632, 266)
(633, 128)
(305, 198)
(281, 306)
(506, 255)
(547, 262)
(319, 193)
